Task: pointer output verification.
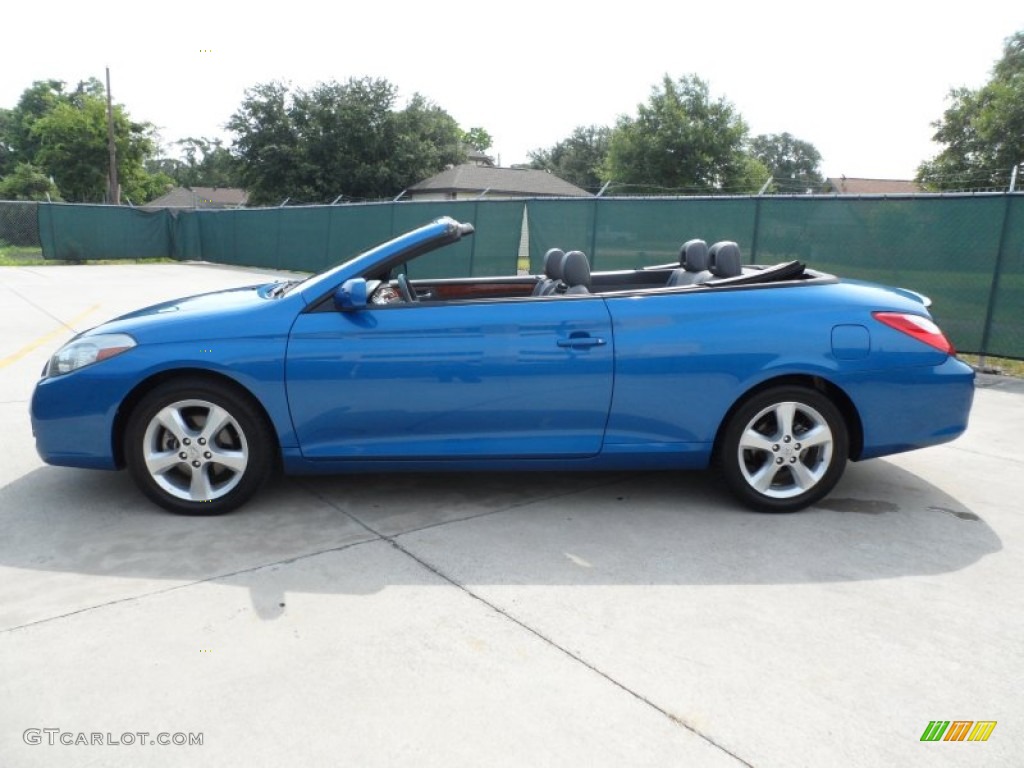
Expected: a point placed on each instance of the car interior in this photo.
(567, 273)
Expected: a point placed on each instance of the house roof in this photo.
(201, 197)
(527, 182)
(847, 186)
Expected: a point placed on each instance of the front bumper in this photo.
(73, 419)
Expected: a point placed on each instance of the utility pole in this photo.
(113, 189)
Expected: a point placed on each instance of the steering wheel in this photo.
(403, 287)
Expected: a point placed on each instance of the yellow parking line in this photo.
(4, 362)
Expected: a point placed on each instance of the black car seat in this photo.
(552, 272)
(576, 272)
(724, 259)
(693, 264)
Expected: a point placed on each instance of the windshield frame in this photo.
(381, 259)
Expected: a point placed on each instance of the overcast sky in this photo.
(861, 81)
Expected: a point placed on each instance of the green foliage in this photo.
(982, 130)
(340, 139)
(8, 158)
(36, 102)
(72, 145)
(751, 174)
(681, 141)
(63, 134)
(478, 139)
(427, 140)
(266, 143)
(26, 182)
(792, 163)
(577, 159)
(202, 163)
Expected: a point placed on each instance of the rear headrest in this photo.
(693, 256)
(576, 269)
(724, 259)
(553, 263)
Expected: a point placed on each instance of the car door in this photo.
(528, 378)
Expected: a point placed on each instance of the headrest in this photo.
(724, 259)
(553, 263)
(693, 255)
(576, 269)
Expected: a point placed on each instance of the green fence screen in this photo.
(308, 238)
(1005, 329)
(621, 234)
(945, 248)
(81, 232)
(964, 251)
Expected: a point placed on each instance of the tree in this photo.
(36, 101)
(7, 154)
(26, 182)
(63, 134)
(266, 143)
(202, 163)
(340, 139)
(982, 130)
(428, 140)
(681, 141)
(578, 159)
(478, 139)
(792, 163)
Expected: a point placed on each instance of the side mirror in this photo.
(351, 295)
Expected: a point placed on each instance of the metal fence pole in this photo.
(757, 229)
(593, 235)
(472, 240)
(994, 289)
(757, 219)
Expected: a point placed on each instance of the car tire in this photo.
(185, 463)
(784, 449)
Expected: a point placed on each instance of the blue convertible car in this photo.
(778, 375)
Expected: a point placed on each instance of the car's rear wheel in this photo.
(784, 449)
(198, 447)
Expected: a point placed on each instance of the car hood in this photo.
(215, 301)
(231, 312)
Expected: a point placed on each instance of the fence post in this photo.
(593, 236)
(757, 219)
(994, 289)
(757, 229)
(472, 240)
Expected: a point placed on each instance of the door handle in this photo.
(581, 341)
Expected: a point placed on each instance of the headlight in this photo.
(88, 350)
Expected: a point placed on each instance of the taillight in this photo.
(921, 328)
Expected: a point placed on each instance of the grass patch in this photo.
(24, 256)
(18, 255)
(1004, 365)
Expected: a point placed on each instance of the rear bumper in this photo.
(912, 408)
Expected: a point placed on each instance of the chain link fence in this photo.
(19, 225)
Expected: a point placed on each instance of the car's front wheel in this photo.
(784, 449)
(196, 446)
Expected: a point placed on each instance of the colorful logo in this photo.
(958, 730)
